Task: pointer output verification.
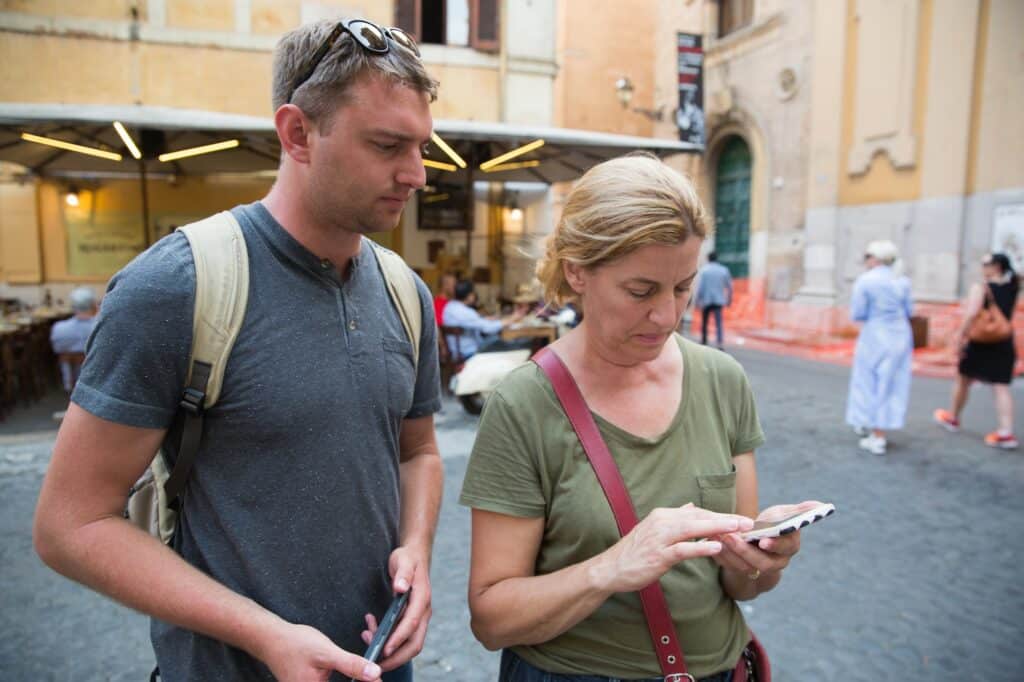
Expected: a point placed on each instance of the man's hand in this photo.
(408, 568)
(299, 653)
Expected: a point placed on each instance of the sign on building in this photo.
(690, 114)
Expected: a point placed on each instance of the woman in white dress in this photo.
(880, 380)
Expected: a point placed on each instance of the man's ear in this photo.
(294, 130)
(573, 274)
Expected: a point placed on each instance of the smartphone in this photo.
(386, 626)
(773, 529)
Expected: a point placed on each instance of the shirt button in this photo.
(325, 264)
(352, 325)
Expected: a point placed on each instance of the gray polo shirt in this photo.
(294, 497)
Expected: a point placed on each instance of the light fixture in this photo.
(196, 151)
(518, 151)
(61, 144)
(440, 165)
(127, 139)
(71, 198)
(624, 88)
(452, 154)
(533, 163)
(434, 198)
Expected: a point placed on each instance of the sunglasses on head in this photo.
(369, 35)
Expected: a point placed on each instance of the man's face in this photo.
(369, 163)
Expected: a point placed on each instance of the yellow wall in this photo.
(93, 9)
(997, 135)
(882, 182)
(598, 44)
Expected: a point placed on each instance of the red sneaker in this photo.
(946, 420)
(994, 440)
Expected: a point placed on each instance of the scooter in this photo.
(480, 375)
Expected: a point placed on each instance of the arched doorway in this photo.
(732, 206)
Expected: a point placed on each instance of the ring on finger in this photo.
(755, 574)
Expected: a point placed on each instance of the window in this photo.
(734, 15)
(472, 23)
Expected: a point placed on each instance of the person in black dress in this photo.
(990, 363)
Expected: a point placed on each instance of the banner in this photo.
(690, 114)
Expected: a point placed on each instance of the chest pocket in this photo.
(718, 492)
(401, 375)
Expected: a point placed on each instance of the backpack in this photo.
(222, 292)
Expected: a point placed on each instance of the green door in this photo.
(732, 207)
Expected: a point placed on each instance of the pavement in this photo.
(917, 574)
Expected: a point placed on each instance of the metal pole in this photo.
(146, 241)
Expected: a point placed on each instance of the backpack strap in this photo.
(221, 295)
(404, 294)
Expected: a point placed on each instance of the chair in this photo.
(70, 368)
(448, 355)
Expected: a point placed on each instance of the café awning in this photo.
(556, 154)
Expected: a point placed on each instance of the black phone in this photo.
(386, 626)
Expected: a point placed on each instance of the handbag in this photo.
(753, 664)
(989, 325)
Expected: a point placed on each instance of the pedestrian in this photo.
(315, 491)
(551, 582)
(68, 337)
(991, 363)
(882, 360)
(714, 291)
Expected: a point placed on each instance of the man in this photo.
(290, 540)
(478, 332)
(70, 335)
(714, 291)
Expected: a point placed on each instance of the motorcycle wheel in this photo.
(472, 403)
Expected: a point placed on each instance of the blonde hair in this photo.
(616, 208)
(327, 87)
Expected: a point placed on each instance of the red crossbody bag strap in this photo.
(659, 619)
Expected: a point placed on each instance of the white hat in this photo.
(883, 249)
(82, 299)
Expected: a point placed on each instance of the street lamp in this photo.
(624, 88)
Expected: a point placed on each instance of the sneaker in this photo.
(862, 431)
(946, 420)
(873, 444)
(995, 440)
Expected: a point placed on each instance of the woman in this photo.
(880, 380)
(551, 582)
(991, 363)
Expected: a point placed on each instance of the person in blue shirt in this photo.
(70, 335)
(478, 332)
(714, 292)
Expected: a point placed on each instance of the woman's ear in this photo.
(294, 131)
(574, 275)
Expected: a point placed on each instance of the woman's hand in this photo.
(658, 542)
(752, 568)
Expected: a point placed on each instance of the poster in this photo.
(1008, 233)
(101, 242)
(690, 114)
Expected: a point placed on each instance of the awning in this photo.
(565, 154)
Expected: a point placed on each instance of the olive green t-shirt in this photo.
(528, 462)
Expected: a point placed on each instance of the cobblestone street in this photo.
(918, 572)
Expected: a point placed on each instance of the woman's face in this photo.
(990, 270)
(632, 306)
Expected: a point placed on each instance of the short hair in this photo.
(83, 299)
(883, 250)
(327, 88)
(463, 288)
(712, 257)
(616, 208)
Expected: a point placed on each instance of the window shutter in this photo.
(484, 28)
(407, 16)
